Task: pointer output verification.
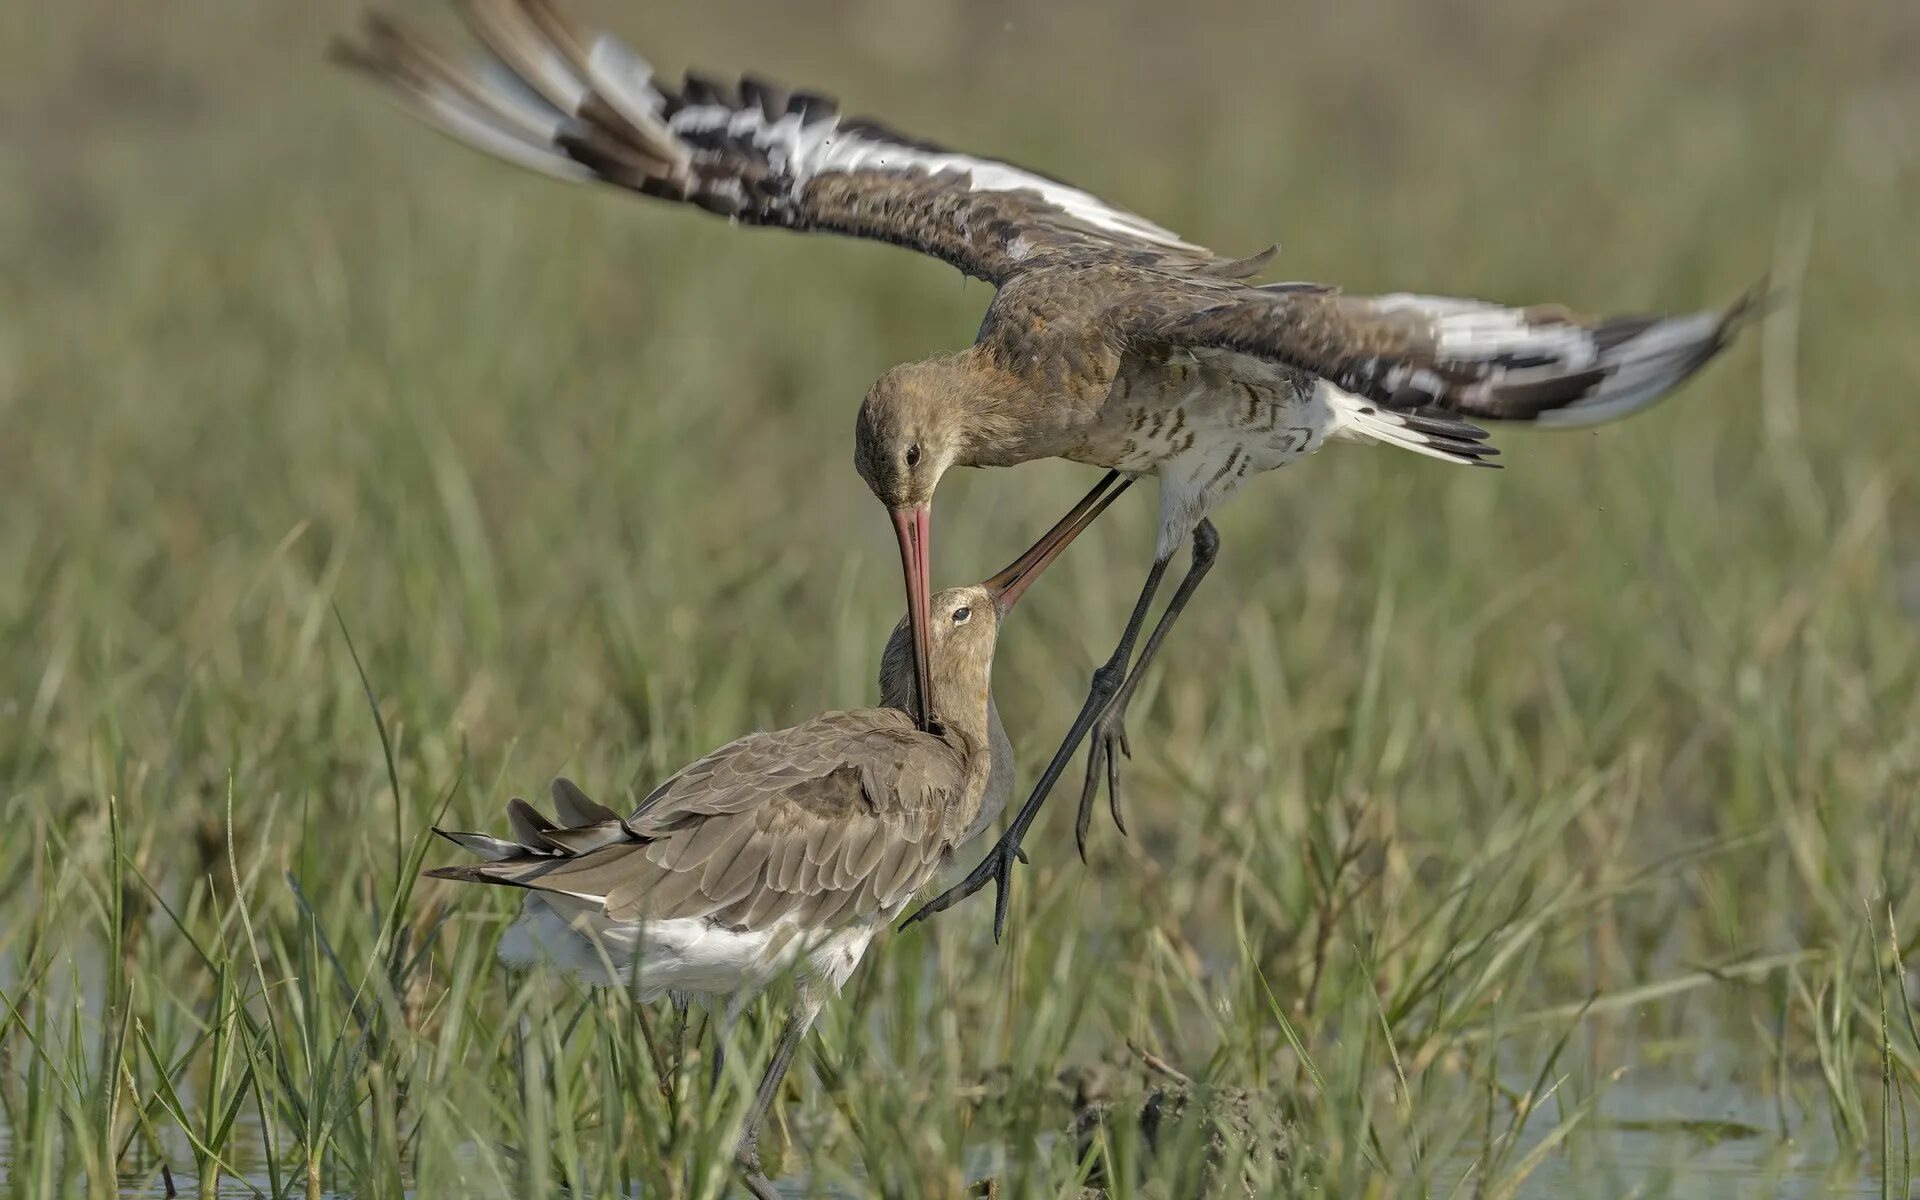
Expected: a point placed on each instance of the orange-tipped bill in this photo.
(1008, 585)
(912, 526)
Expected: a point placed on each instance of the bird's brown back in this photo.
(829, 821)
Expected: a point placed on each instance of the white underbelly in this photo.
(1232, 441)
(690, 956)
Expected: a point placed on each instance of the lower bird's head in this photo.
(963, 627)
(910, 430)
(953, 665)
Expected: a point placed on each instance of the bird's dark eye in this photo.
(913, 456)
(961, 615)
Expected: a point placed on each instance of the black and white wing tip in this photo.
(1645, 359)
(582, 106)
(1544, 366)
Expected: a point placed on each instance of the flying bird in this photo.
(780, 852)
(1110, 341)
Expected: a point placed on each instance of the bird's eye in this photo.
(913, 456)
(962, 614)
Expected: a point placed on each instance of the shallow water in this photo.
(1651, 1136)
(1655, 1136)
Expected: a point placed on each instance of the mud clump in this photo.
(1158, 1122)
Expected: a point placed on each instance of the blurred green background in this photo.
(573, 471)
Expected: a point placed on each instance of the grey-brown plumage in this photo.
(1110, 340)
(826, 823)
(1101, 290)
(781, 851)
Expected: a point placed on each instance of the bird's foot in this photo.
(1106, 744)
(1108, 681)
(746, 1156)
(996, 866)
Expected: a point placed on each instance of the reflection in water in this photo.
(1656, 1135)
(1650, 1136)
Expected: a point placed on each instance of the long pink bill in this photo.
(1007, 586)
(912, 526)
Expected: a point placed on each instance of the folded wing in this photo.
(831, 820)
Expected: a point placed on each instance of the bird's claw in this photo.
(1107, 743)
(996, 866)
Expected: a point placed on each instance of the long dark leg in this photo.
(718, 1028)
(1109, 739)
(681, 1016)
(747, 1152)
(998, 865)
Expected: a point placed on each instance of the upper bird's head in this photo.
(907, 434)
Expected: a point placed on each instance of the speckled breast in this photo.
(1241, 414)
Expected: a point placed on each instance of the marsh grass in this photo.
(352, 484)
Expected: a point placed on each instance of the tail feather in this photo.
(487, 846)
(1441, 425)
(540, 847)
(575, 808)
(1434, 434)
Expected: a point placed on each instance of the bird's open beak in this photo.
(1010, 584)
(912, 526)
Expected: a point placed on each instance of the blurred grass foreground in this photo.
(1543, 832)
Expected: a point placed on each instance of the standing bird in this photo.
(780, 851)
(1110, 341)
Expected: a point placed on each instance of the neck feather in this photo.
(1004, 425)
(962, 699)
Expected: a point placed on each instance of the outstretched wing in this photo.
(1468, 356)
(585, 107)
(830, 820)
